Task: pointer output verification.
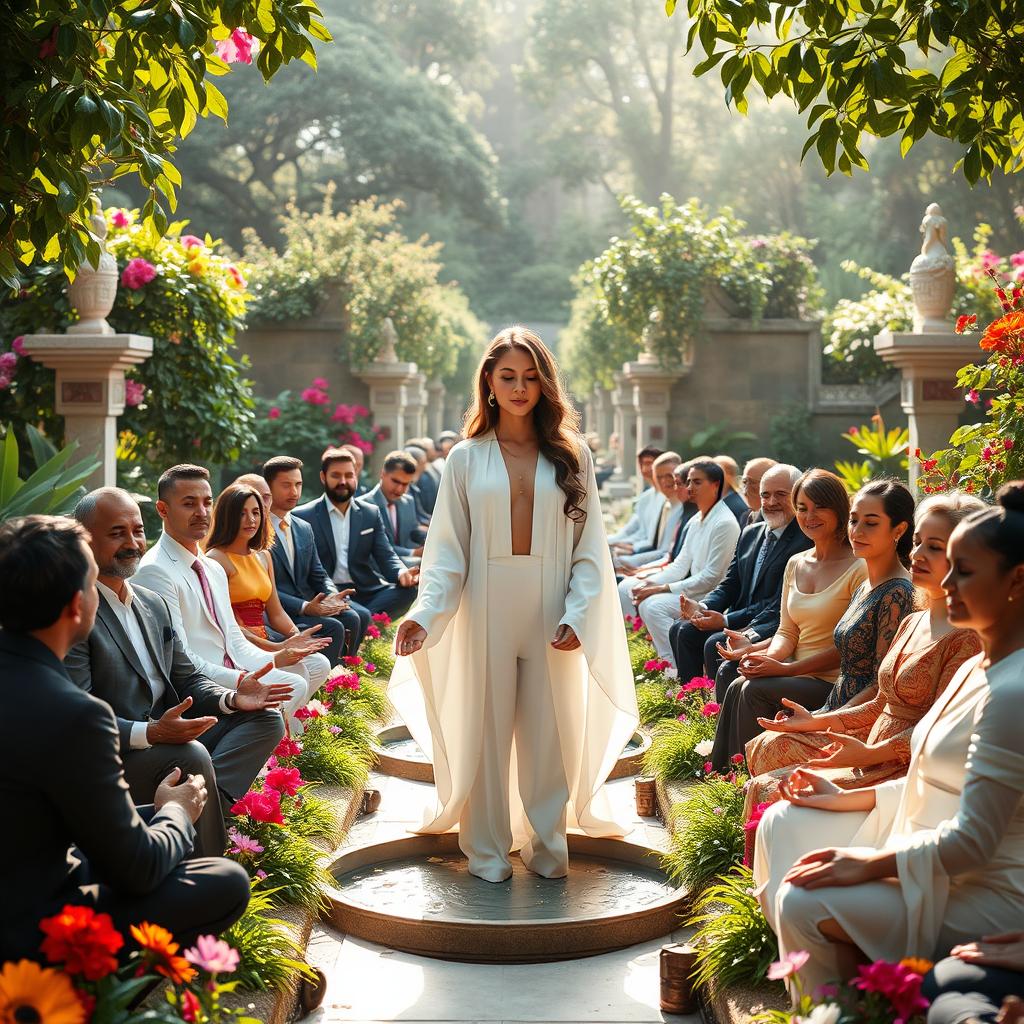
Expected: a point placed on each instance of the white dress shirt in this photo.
(341, 524)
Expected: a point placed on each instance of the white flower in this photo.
(704, 748)
(827, 1013)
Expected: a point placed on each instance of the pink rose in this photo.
(137, 273)
(343, 414)
(18, 345)
(274, 413)
(321, 383)
(314, 396)
(134, 393)
(191, 242)
(1017, 259)
(5, 382)
(989, 260)
(8, 361)
(236, 49)
(120, 219)
(284, 780)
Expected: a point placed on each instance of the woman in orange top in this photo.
(239, 541)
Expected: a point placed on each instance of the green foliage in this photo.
(379, 651)
(269, 958)
(791, 436)
(849, 63)
(641, 650)
(107, 89)
(714, 438)
(707, 833)
(52, 489)
(651, 284)
(681, 745)
(190, 398)
(291, 861)
(654, 702)
(331, 761)
(314, 818)
(735, 945)
(359, 261)
(885, 453)
(370, 701)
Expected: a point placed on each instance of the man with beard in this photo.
(74, 834)
(169, 715)
(748, 598)
(352, 541)
(306, 589)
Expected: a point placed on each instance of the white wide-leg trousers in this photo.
(517, 705)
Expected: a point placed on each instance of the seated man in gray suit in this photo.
(397, 506)
(133, 660)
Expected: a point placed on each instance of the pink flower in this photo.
(656, 665)
(242, 843)
(708, 768)
(18, 345)
(191, 242)
(334, 730)
(698, 683)
(369, 668)
(1017, 259)
(360, 411)
(755, 817)
(352, 660)
(1008, 443)
(321, 383)
(134, 393)
(8, 361)
(343, 414)
(212, 955)
(789, 965)
(711, 708)
(373, 632)
(381, 618)
(236, 49)
(899, 984)
(989, 260)
(273, 413)
(260, 874)
(288, 747)
(973, 397)
(265, 806)
(235, 277)
(120, 219)
(343, 681)
(314, 396)
(736, 759)
(137, 273)
(285, 781)
(851, 431)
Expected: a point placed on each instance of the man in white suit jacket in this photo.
(196, 590)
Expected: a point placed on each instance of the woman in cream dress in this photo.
(517, 681)
(916, 865)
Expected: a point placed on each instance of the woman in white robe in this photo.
(518, 684)
(916, 865)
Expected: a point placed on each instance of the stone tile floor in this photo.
(369, 983)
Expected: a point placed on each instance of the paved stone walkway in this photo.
(369, 983)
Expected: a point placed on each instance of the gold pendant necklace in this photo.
(504, 451)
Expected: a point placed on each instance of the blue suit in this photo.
(302, 582)
(404, 542)
(373, 564)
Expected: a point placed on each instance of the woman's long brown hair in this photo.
(227, 519)
(554, 417)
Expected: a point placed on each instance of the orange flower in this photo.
(160, 949)
(29, 992)
(1005, 334)
(917, 964)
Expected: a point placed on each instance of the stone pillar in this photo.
(416, 409)
(435, 407)
(90, 388)
(603, 413)
(651, 391)
(928, 392)
(390, 382)
(621, 484)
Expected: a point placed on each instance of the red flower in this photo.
(1008, 443)
(285, 781)
(1004, 334)
(160, 950)
(708, 767)
(711, 708)
(83, 941)
(49, 45)
(899, 984)
(265, 806)
(965, 323)
(382, 618)
(352, 660)
(736, 759)
(288, 748)
(190, 1007)
(929, 464)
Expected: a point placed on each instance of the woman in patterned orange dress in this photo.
(864, 744)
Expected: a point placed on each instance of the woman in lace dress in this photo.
(914, 866)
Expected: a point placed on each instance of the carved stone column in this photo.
(620, 484)
(416, 409)
(390, 382)
(435, 407)
(651, 391)
(603, 413)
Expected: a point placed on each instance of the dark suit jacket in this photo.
(105, 664)
(308, 578)
(370, 554)
(738, 506)
(67, 790)
(756, 607)
(428, 485)
(404, 541)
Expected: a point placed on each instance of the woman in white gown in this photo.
(518, 681)
(916, 865)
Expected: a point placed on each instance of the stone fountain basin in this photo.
(399, 755)
(415, 894)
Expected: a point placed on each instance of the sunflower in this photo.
(160, 949)
(30, 994)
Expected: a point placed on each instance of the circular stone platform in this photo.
(416, 894)
(398, 754)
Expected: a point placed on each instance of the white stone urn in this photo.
(933, 276)
(93, 290)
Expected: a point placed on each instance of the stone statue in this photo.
(93, 291)
(387, 353)
(933, 275)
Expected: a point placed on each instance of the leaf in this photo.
(9, 482)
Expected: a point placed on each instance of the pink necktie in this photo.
(197, 567)
(393, 512)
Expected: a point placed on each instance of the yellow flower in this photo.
(30, 994)
(917, 964)
(197, 266)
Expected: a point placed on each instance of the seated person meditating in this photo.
(646, 507)
(861, 745)
(196, 591)
(134, 661)
(701, 564)
(398, 507)
(353, 544)
(74, 834)
(304, 587)
(917, 866)
(801, 661)
(239, 542)
(748, 599)
(980, 981)
(662, 527)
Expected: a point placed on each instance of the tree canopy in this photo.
(91, 90)
(950, 68)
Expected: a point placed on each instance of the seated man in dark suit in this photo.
(748, 598)
(397, 506)
(352, 542)
(73, 833)
(306, 590)
(419, 457)
(134, 661)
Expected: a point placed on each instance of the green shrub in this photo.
(355, 730)
(370, 701)
(380, 651)
(291, 863)
(735, 945)
(674, 752)
(707, 834)
(314, 818)
(655, 701)
(329, 759)
(55, 486)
